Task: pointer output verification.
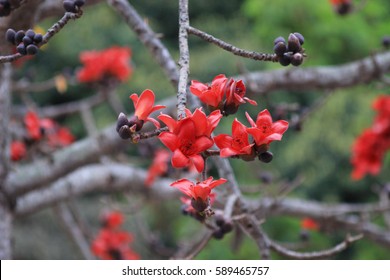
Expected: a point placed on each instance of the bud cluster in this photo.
(290, 52)
(126, 127)
(5, 8)
(73, 6)
(25, 42)
(224, 226)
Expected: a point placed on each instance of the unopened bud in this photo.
(293, 43)
(297, 59)
(199, 204)
(300, 37)
(266, 157)
(122, 120)
(124, 132)
(280, 48)
(279, 39)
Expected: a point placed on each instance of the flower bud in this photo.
(19, 36)
(227, 226)
(280, 48)
(285, 60)
(38, 38)
(297, 59)
(10, 35)
(124, 132)
(218, 234)
(31, 49)
(69, 6)
(279, 39)
(27, 40)
(266, 157)
(122, 120)
(21, 49)
(30, 33)
(293, 43)
(79, 3)
(300, 37)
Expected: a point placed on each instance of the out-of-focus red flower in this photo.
(189, 137)
(237, 144)
(199, 192)
(309, 224)
(113, 245)
(18, 150)
(159, 166)
(370, 147)
(337, 2)
(60, 137)
(144, 106)
(367, 154)
(112, 220)
(265, 131)
(113, 62)
(223, 94)
(33, 125)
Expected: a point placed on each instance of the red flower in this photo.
(60, 137)
(367, 154)
(189, 137)
(33, 126)
(144, 106)
(113, 245)
(199, 192)
(210, 95)
(264, 131)
(159, 166)
(221, 87)
(236, 145)
(111, 62)
(18, 150)
(309, 224)
(112, 220)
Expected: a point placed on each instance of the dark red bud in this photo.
(266, 157)
(122, 120)
(280, 48)
(297, 59)
(293, 44)
(199, 204)
(124, 132)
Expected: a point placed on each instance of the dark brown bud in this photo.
(38, 38)
(21, 49)
(69, 6)
(218, 234)
(227, 226)
(297, 59)
(27, 40)
(10, 35)
(279, 39)
(30, 33)
(134, 121)
(230, 109)
(266, 157)
(122, 120)
(19, 37)
(124, 132)
(293, 44)
(280, 48)
(285, 60)
(31, 49)
(300, 37)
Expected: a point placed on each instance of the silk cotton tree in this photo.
(45, 165)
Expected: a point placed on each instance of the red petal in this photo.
(198, 162)
(264, 117)
(170, 140)
(202, 143)
(179, 160)
(202, 192)
(280, 126)
(145, 104)
(228, 152)
(169, 121)
(250, 120)
(223, 141)
(184, 186)
(200, 122)
(217, 183)
(153, 121)
(250, 101)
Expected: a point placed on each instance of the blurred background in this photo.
(318, 152)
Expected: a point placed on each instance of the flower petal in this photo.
(169, 121)
(198, 162)
(145, 104)
(169, 139)
(179, 160)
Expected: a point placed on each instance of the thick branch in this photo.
(96, 177)
(321, 78)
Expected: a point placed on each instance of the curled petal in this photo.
(198, 162)
(179, 160)
(169, 139)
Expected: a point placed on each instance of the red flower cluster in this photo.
(109, 63)
(112, 243)
(199, 192)
(223, 94)
(37, 129)
(370, 147)
(189, 137)
(264, 131)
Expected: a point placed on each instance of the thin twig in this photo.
(73, 229)
(314, 255)
(49, 34)
(200, 246)
(230, 48)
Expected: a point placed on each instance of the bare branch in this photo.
(73, 230)
(230, 48)
(314, 255)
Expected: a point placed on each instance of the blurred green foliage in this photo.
(320, 152)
